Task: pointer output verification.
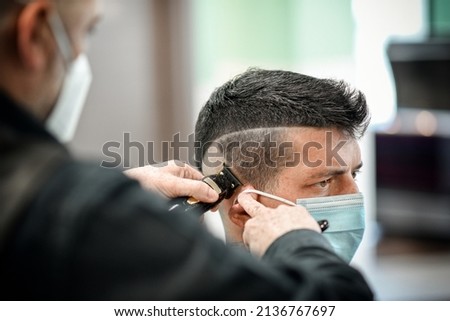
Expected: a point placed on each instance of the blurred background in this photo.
(155, 63)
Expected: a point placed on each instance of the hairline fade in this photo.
(264, 162)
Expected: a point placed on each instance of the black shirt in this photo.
(88, 233)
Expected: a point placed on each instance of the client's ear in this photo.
(237, 214)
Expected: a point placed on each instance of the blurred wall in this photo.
(308, 36)
(439, 18)
(140, 95)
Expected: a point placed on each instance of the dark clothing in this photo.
(88, 233)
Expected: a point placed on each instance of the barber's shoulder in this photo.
(93, 185)
(88, 180)
(67, 187)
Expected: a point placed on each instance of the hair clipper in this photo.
(224, 183)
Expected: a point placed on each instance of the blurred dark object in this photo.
(421, 72)
(413, 185)
(413, 155)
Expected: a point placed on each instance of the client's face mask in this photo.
(344, 213)
(64, 118)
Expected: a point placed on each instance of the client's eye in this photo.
(355, 174)
(324, 183)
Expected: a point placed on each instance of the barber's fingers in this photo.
(187, 182)
(174, 179)
(250, 205)
(192, 173)
(180, 169)
(269, 224)
(177, 186)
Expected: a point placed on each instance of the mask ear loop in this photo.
(274, 197)
(61, 37)
(323, 223)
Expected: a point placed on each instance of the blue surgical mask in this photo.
(345, 216)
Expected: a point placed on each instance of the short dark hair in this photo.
(259, 98)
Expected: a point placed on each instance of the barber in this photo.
(74, 231)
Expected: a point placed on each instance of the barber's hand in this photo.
(173, 179)
(268, 224)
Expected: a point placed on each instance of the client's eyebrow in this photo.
(335, 171)
(357, 168)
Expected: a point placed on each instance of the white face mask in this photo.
(64, 118)
(344, 213)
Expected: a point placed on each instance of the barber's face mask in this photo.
(345, 215)
(64, 118)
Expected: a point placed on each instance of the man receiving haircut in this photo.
(292, 136)
(75, 231)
